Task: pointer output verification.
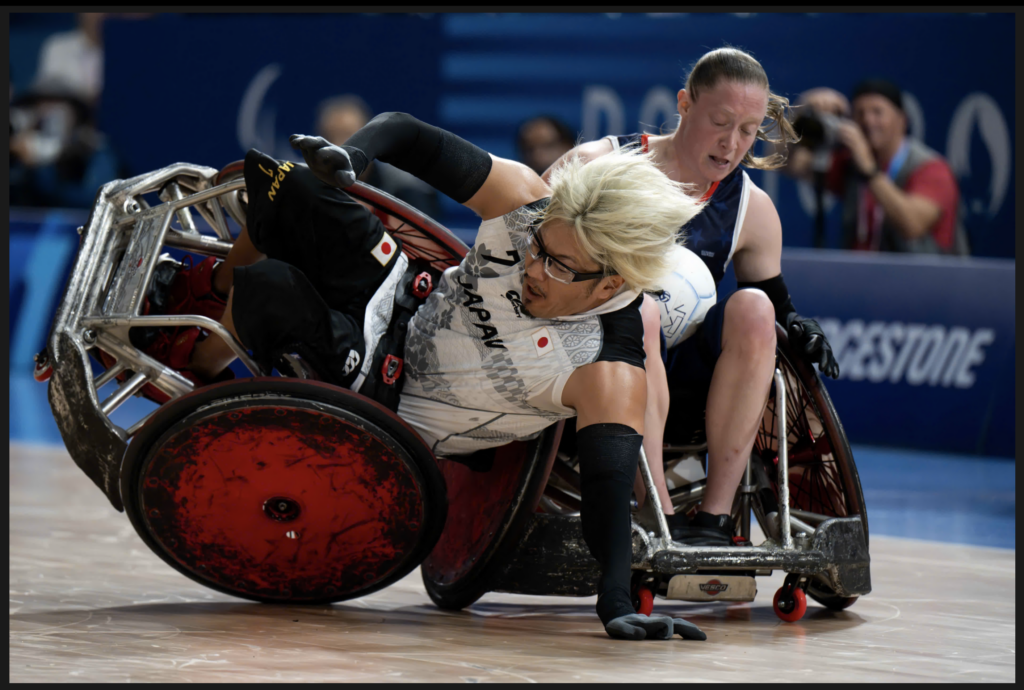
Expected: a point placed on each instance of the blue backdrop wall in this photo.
(205, 88)
(926, 345)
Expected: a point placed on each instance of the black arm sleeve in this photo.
(609, 454)
(778, 293)
(446, 162)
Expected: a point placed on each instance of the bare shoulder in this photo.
(594, 149)
(587, 152)
(508, 186)
(759, 252)
(762, 219)
(607, 392)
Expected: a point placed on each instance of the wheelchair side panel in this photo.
(487, 513)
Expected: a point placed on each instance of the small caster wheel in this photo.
(43, 369)
(790, 602)
(644, 601)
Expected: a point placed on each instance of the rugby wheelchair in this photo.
(288, 489)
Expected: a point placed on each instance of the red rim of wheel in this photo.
(283, 499)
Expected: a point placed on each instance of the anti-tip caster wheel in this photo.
(790, 602)
(643, 601)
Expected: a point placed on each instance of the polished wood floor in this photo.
(89, 602)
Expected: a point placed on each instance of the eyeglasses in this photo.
(555, 268)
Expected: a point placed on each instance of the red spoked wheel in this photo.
(790, 602)
(644, 601)
(283, 491)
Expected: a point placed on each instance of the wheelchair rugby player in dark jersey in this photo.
(726, 106)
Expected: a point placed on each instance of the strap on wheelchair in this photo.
(384, 382)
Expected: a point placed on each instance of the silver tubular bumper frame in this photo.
(104, 297)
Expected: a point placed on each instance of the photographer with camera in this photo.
(898, 195)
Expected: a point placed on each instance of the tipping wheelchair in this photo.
(288, 489)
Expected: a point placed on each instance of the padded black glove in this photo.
(807, 338)
(331, 164)
(637, 626)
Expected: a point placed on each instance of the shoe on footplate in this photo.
(706, 529)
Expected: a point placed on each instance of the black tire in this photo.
(324, 418)
(823, 594)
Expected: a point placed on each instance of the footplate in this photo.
(553, 559)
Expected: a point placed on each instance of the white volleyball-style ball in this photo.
(688, 293)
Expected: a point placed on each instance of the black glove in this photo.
(807, 338)
(637, 626)
(331, 164)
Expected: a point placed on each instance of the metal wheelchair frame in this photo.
(104, 299)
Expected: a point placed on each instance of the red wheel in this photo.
(646, 601)
(283, 491)
(43, 369)
(790, 611)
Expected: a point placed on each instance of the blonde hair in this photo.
(626, 213)
(734, 65)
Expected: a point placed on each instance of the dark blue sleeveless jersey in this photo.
(712, 233)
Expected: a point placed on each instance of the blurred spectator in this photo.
(338, 119)
(542, 140)
(57, 158)
(75, 58)
(898, 195)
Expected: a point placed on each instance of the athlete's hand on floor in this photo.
(331, 164)
(637, 626)
(806, 336)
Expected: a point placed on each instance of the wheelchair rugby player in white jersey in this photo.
(540, 322)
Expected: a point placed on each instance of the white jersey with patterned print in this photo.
(481, 373)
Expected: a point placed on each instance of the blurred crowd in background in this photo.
(896, 193)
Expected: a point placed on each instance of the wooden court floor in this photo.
(89, 602)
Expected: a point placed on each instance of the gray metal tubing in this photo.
(808, 516)
(692, 489)
(652, 496)
(127, 290)
(233, 204)
(783, 475)
(164, 378)
(220, 226)
(184, 214)
(80, 295)
(178, 320)
(134, 428)
(207, 194)
(801, 525)
(105, 378)
(745, 501)
(123, 392)
(203, 244)
(153, 181)
(206, 202)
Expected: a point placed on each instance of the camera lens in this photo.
(811, 130)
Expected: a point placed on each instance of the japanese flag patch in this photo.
(385, 250)
(542, 341)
